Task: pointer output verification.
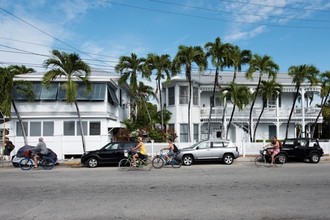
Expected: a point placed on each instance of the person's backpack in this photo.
(27, 153)
(175, 150)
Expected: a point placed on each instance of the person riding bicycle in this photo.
(142, 152)
(41, 150)
(273, 148)
(170, 149)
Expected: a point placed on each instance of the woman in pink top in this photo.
(274, 149)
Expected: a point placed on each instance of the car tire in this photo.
(314, 158)
(16, 164)
(187, 160)
(283, 157)
(228, 159)
(92, 162)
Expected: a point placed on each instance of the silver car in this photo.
(210, 150)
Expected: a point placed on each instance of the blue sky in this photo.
(292, 32)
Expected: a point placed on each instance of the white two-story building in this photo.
(273, 121)
(51, 117)
(104, 110)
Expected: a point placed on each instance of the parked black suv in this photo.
(111, 153)
(302, 149)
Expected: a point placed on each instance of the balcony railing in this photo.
(270, 113)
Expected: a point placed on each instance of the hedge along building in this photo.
(50, 116)
(272, 122)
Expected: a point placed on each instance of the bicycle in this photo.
(160, 160)
(264, 158)
(142, 164)
(45, 163)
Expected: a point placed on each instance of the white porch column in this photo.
(277, 117)
(303, 112)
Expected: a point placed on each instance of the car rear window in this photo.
(217, 144)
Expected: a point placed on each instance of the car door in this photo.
(289, 147)
(110, 153)
(300, 148)
(203, 151)
(217, 149)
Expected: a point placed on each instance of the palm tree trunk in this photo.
(189, 104)
(81, 128)
(251, 109)
(230, 120)
(145, 105)
(323, 102)
(223, 119)
(211, 106)
(257, 124)
(291, 112)
(161, 107)
(20, 122)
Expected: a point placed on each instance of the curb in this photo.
(70, 163)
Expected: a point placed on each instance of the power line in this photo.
(240, 13)
(275, 6)
(59, 48)
(44, 32)
(216, 19)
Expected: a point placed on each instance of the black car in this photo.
(111, 153)
(302, 149)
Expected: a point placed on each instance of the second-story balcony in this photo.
(269, 114)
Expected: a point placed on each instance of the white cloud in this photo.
(238, 34)
(272, 12)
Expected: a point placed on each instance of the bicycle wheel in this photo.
(47, 163)
(157, 162)
(26, 164)
(124, 164)
(279, 160)
(146, 165)
(176, 162)
(260, 161)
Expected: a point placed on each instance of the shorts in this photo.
(142, 156)
(40, 155)
(170, 153)
(6, 152)
(273, 151)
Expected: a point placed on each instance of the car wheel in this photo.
(282, 157)
(15, 164)
(314, 158)
(92, 162)
(187, 160)
(228, 159)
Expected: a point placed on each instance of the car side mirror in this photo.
(197, 148)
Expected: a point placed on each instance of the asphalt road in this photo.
(206, 191)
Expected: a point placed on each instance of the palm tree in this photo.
(143, 94)
(8, 85)
(218, 52)
(73, 68)
(300, 74)
(263, 65)
(186, 56)
(238, 58)
(239, 96)
(268, 90)
(163, 66)
(129, 67)
(325, 93)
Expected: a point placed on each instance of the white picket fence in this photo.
(244, 148)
